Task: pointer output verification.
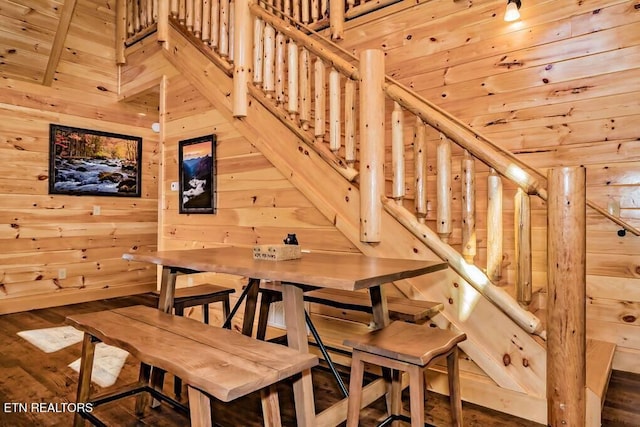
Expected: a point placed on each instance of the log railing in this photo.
(312, 87)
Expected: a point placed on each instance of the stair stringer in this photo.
(509, 355)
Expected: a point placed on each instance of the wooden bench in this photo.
(212, 361)
(405, 309)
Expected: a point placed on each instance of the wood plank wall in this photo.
(559, 87)
(256, 204)
(40, 234)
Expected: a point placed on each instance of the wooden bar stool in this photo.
(410, 348)
(203, 295)
(192, 296)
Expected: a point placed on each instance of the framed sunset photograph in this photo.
(197, 170)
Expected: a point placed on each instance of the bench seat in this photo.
(219, 362)
(405, 309)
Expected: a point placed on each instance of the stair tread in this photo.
(599, 364)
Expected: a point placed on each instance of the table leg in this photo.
(167, 289)
(297, 338)
(253, 287)
(379, 306)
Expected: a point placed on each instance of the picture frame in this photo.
(197, 175)
(94, 163)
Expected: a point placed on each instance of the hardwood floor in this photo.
(28, 375)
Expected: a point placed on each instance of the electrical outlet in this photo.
(96, 210)
(174, 186)
(62, 273)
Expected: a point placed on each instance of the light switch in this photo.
(96, 210)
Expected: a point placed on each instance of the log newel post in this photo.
(372, 130)
(566, 258)
(243, 48)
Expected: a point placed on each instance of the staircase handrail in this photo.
(503, 161)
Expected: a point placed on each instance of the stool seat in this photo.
(406, 347)
(195, 294)
(408, 342)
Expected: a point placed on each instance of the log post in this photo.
(232, 33)
(242, 63)
(372, 130)
(335, 123)
(215, 24)
(223, 42)
(469, 240)
(281, 64)
(269, 73)
(397, 153)
(258, 51)
(566, 255)
(305, 87)
(494, 226)
(320, 99)
(206, 20)
(444, 194)
(121, 30)
(163, 21)
(336, 19)
(292, 83)
(420, 165)
(350, 121)
(522, 223)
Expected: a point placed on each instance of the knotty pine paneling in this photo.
(40, 234)
(558, 87)
(256, 204)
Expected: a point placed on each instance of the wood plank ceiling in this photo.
(62, 44)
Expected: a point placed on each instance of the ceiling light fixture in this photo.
(512, 13)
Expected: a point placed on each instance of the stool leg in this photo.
(199, 408)
(355, 390)
(395, 406)
(205, 313)
(84, 378)
(270, 406)
(416, 399)
(454, 388)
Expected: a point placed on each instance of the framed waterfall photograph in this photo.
(197, 175)
(95, 163)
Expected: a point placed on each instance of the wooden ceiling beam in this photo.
(58, 42)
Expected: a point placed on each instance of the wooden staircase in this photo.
(508, 370)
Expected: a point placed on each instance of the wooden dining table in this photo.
(320, 270)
